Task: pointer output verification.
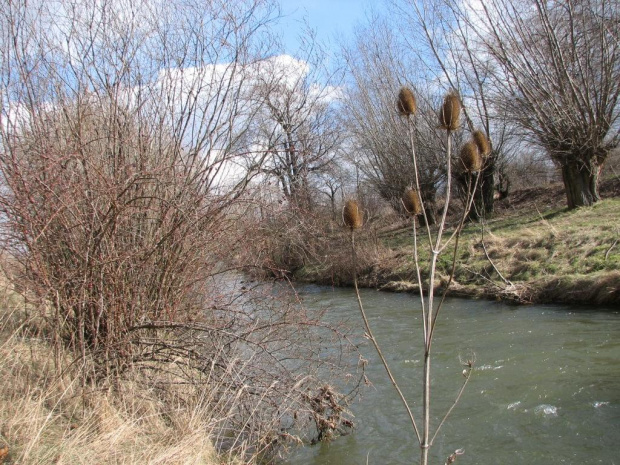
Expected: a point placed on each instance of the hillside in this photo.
(532, 250)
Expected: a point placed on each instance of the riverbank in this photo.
(533, 250)
(48, 416)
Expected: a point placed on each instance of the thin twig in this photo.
(542, 218)
(376, 344)
(485, 278)
(428, 228)
(486, 253)
(468, 205)
(456, 401)
(417, 178)
(609, 250)
(418, 275)
(457, 234)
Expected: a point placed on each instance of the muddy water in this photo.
(545, 390)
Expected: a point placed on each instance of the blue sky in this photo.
(333, 20)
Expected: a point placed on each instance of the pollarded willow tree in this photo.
(557, 75)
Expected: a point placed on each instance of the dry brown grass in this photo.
(195, 398)
(49, 418)
(560, 256)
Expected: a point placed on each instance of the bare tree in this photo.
(334, 184)
(297, 130)
(556, 73)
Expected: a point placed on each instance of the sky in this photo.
(333, 20)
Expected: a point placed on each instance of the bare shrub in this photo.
(120, 204)
(294, 243)
(531, 169)
(249, 396)
(111, 236)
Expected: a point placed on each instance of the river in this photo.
(545, 388)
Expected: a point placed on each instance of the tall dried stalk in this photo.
(437, 244)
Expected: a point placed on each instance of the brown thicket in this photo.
(120, 203)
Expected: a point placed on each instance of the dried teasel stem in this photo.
(450, 112)
(370, 335)
(406, 102)
(482, 142)
(471, 161)
(351, 215)
(411, 202)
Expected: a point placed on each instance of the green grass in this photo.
(552, 255)
(532, 249)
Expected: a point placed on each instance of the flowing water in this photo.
(545, 388)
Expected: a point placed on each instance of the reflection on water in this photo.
(546, 387)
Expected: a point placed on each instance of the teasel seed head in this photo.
(406, 103)
(351, 215)
(471, 160)
(450, 112)
(411, 202)
(482, 142)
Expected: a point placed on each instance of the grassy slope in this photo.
(536, 251)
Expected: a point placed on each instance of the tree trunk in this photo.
(430, 206)
(487, 187)
(484, 195)
(580, 183)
